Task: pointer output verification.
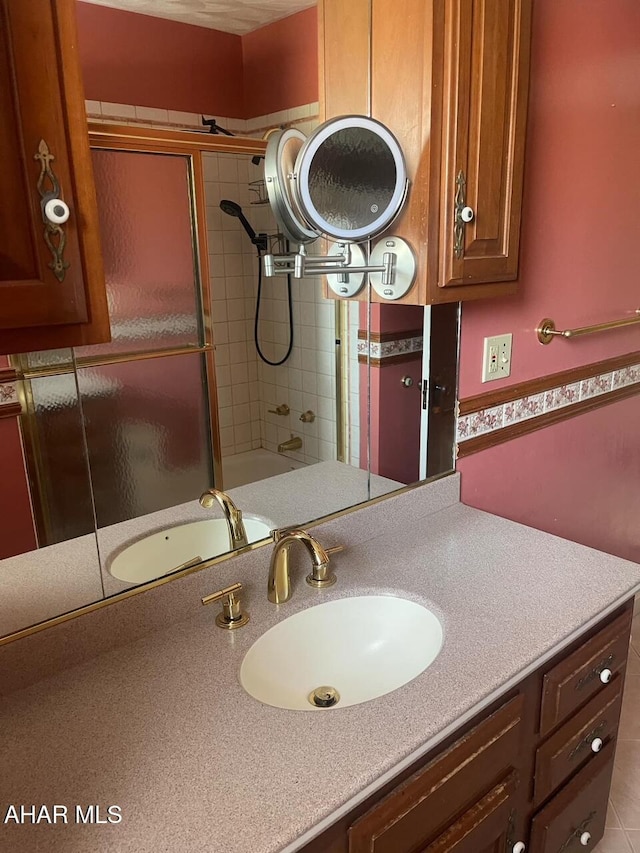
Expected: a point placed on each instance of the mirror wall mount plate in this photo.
(403, 271)
(347, 284)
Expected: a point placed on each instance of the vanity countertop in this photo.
(162, 728)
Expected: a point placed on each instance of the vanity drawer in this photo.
(580, 675)
(421, 808)
(574, 820)
(572, 745)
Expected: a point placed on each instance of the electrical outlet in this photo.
(496, 363)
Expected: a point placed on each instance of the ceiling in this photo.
(230, 16)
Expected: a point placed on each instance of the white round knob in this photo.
(596, 744)
(605, 676)
(467, 214)
(56, 211)
(585, 838)
(519, 847)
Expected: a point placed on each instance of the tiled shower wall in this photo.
(232, 267)
(247, 388)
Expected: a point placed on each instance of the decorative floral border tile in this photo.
(388, 349)
(8, 394)
(524, 408)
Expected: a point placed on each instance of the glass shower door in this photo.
(145, 395)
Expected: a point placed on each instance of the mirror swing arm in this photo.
(397, 266)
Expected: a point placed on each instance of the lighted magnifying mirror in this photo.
(283, 147)
(351, 178)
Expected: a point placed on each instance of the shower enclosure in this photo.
(179, 397)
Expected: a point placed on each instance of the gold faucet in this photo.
(237, 533)
(279, 584)
(293, 443)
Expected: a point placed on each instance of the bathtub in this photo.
(242, 468)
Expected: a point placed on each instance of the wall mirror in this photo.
(114, 444)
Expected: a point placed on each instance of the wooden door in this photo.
(51, 278)
(486, 72)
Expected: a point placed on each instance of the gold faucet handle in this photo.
(335, 550)
(282, 410)
(322, 575)
(232, 615)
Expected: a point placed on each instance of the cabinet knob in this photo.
(596, 744)
(605, 676)
(519, 847)
(407, 381)
(585, 838)
(56, 211)
(467, 214)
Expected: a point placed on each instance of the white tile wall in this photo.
(304, 117)
(247, 387)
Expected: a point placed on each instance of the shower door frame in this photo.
(191, 145)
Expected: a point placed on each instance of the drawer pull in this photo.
(581, 833)
(519, 847)
(592, 740)
(601, 671)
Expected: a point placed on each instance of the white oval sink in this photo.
(363, 647)
(162, 552)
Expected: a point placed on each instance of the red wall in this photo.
(281, 64)
(579, 258)
(579, 265)
(395, 410)
(16, 522)
(129, 58)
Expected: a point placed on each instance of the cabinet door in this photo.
(486, 72)
(487, 827)
(51, 278)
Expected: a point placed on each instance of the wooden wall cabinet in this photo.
(530, 775)
(451, 81)
(52, 289)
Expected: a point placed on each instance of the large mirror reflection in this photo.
(221, 393)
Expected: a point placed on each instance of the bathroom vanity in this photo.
(506, 739)
(532, 773)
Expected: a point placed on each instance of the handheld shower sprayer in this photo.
(231, 208)
(261, 242)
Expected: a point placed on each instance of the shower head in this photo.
(230, 207)
(233, 209)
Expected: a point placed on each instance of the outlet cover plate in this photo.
(496, 362)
